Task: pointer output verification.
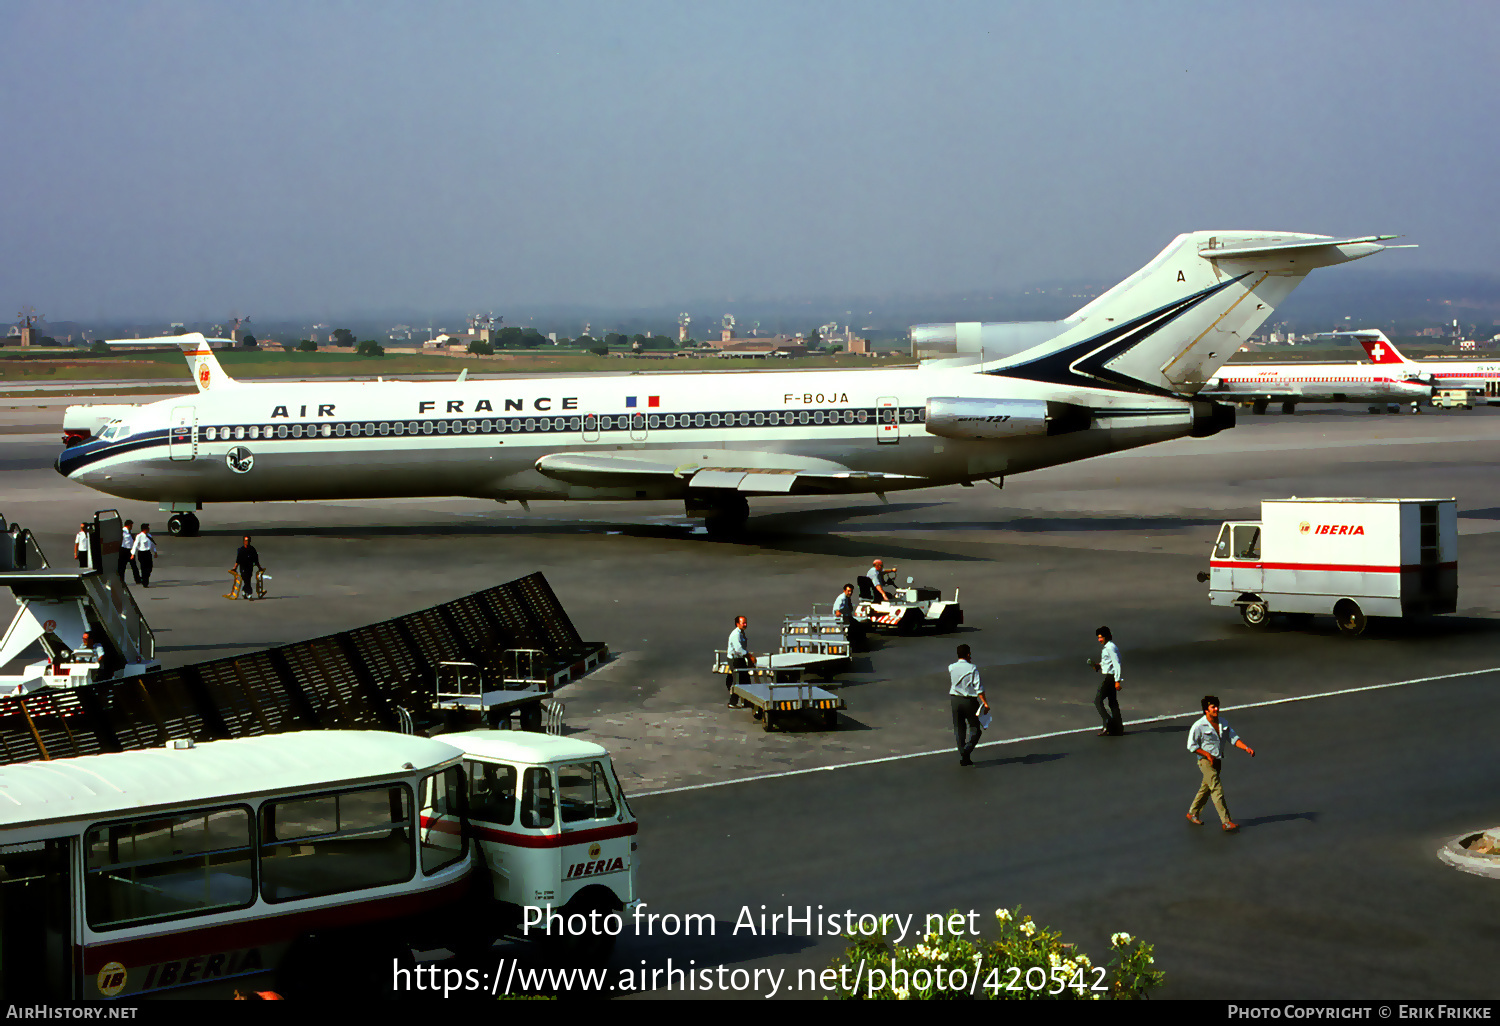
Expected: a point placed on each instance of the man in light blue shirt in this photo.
(738, 651)
(1207, 740)
(966, 696)
(1108, 664)
(843, 608)
(880, 580)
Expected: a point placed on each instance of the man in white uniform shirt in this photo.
(143, 554)
(739, 657)
(81, 546)
(966, 696)
(127, 539)
(1207, 740)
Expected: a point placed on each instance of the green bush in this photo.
(369, 347)
(307, 345)
(1025, 962)
(479, 347)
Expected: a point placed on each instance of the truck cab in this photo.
(550, 824)
(1236, 572)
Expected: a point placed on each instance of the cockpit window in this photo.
(116, 430)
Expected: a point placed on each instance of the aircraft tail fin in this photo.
(1169, 327)
(207, 373)
(1379, 348)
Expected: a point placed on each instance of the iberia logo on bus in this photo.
(1335, 529)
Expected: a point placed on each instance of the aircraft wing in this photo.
(775, 477)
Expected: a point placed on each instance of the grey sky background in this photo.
(169, 159)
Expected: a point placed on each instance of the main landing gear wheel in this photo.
(724, 516)
(1288, 407)
(1255, 614)
(1350, 618)
(1259, 406)
(182, 525)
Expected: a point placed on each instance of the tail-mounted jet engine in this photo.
(990, 419)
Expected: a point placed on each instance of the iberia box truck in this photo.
(1348, 558)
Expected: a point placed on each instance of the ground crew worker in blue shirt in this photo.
(739, 657)
(966, 696)
(843, 608)
(1206, 740)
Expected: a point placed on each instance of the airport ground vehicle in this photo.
(1349, 558)
(1453, 398)
(913, 608)
(307, 861)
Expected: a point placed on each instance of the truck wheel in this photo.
(531, 717)
(768, 722)
(1255, 614)
(1259, 406)
(1349, 617)
(909, 621)
(948, 621)
(831, 720)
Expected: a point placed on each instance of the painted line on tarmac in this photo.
(1062, 733)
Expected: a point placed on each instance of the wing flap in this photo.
(605, 470)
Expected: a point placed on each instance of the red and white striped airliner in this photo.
(1469, 374)
(1291, 383)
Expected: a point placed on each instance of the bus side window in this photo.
(492, 792)
(537, 799)
(184, 864)
(332, 843)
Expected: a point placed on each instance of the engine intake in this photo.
(989, 419)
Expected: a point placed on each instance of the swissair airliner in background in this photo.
(1123, 371)
(1472, 375)
(1289, 383)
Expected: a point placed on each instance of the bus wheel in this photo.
(1350, 618)
(1255, 614)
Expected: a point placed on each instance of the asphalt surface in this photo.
(1331, 888)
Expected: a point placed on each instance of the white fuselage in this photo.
(484, 438)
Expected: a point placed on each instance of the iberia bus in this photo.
(309, 863)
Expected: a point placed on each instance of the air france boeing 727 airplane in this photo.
(1121, 372)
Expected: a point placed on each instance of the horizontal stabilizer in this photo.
(1263, 247)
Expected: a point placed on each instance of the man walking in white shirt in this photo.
(1206, 740)
(143, 554)
(127, 539)
(966, 697)
(739, 657)
(81, 546)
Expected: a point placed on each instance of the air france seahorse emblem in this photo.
(239, 460)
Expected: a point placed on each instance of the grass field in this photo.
(18, 369)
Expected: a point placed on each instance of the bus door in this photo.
(36, 922)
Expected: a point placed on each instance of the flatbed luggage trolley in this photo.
(773, 689)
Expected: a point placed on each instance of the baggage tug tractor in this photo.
(1348, 558)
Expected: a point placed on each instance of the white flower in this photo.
(1071, 968)
(1119, 940)
(902, 993)
(1083, 960)
(1028, 928)
(1002, 914)
(1053, 960)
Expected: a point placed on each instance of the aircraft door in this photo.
(182, 436)
(591, 427)
(637, 427)
(887, 423)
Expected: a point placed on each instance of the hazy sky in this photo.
(182, 160)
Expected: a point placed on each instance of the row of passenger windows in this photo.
(585, 423)
(219, 859)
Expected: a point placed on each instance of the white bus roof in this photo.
(1347, 499)
(523, 746)
(97, 787)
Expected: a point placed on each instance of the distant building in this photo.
(762, 348)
